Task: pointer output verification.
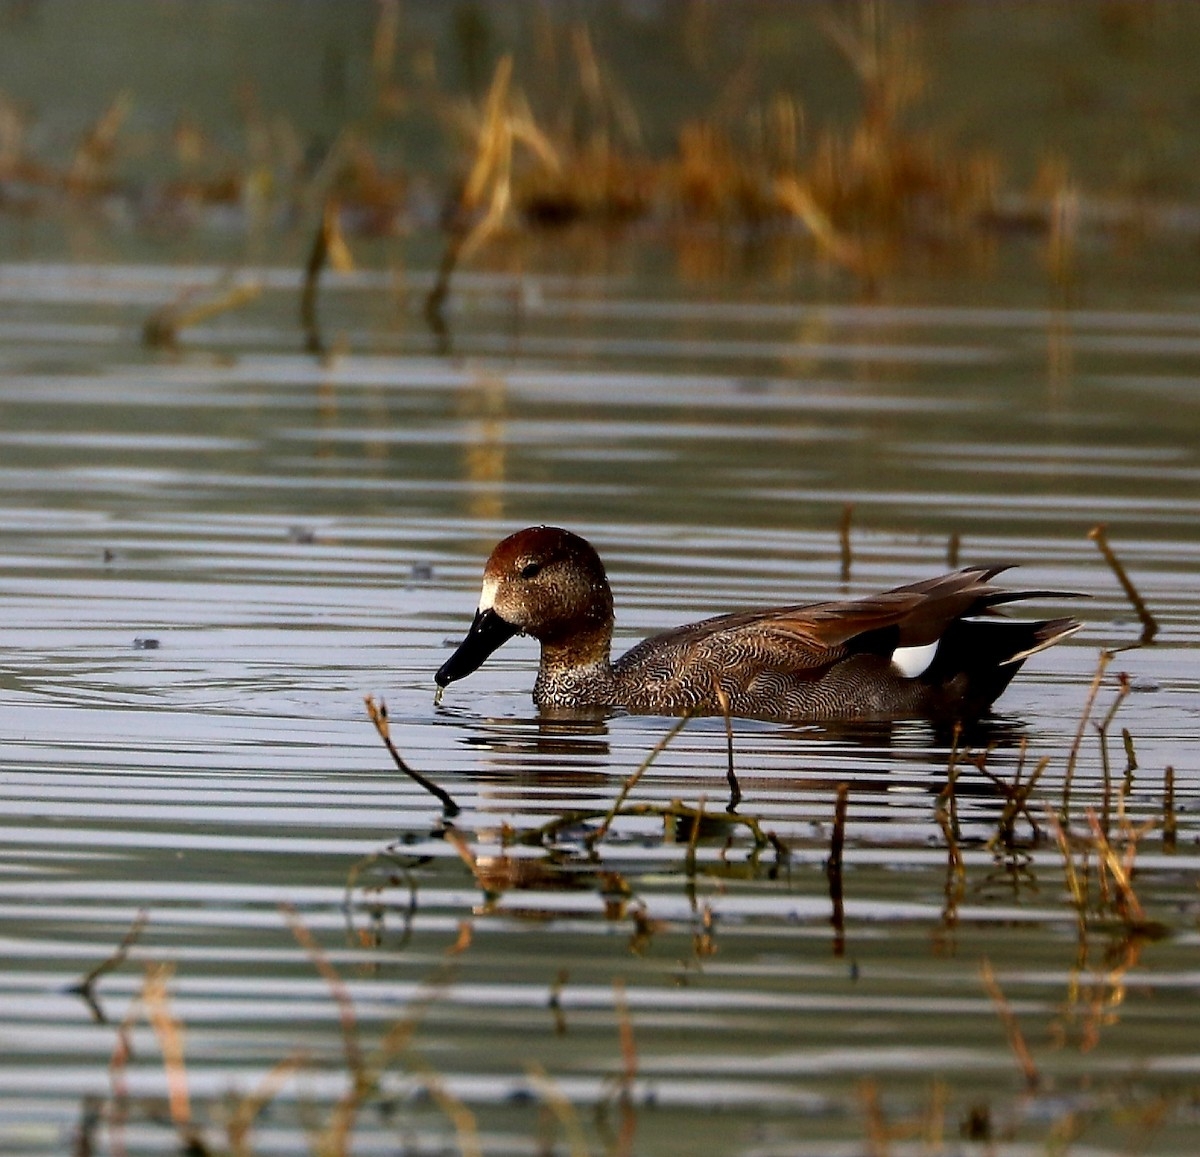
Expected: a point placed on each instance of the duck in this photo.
(934, 649)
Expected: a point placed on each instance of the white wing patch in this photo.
(913, 661)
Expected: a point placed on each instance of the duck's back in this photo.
(914, 651)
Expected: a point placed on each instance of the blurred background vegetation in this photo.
(865, 130)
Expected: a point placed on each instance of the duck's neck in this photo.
(576, 669)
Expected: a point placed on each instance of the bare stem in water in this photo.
(1099, 535)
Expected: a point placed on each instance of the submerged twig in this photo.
(85, 988)
(1099, 535)
(378, 715)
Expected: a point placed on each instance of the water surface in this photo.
(212, 555)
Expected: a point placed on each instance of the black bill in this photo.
(488, 633)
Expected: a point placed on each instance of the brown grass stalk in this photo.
(1012, 1029)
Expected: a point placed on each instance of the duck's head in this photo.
(542, 581)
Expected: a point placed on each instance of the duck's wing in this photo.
(813, 635)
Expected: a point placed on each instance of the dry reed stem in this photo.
(844, 540)
(878, 1141)
(1129, 907)
(693, 842)
(555, 1002)
(328, 248)
(1168, 826)
(96, 150)
(162, 328)
(169, 1032)
(85, 987)
(953, 550)
(947, 799)
(833, 869)
(561, 1108)
(489, 183)
(595, 837)
(1017, 802)
(795, 197)
(735, 788)
(623, 1145)
(1016, 1038)
(1102, 729)
(629, 1055)
(1077, 887)
(337, 988)
(379, 717)
(1106, 657)
(462, 1119)
(118, 1065)
(1099, 535)
(238, 1127)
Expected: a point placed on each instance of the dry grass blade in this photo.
(379, 717)
(1128, 905)
(1099, 535)
(1016, 1038)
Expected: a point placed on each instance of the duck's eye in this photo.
(530, 569)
